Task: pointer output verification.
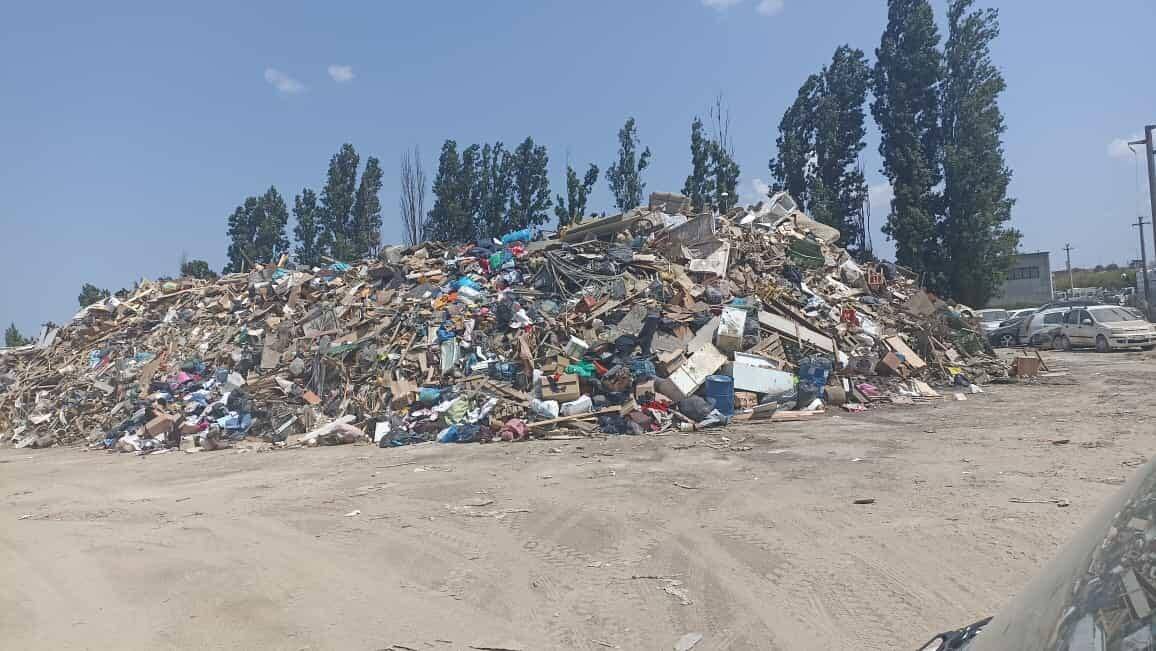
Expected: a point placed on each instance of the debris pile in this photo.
(638, 322)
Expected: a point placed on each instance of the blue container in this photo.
(814, 370)
(722, 389)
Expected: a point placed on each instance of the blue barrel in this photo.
(722, 389)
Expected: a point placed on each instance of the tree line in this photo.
(941, 142)
(343, 222)
(935, 103)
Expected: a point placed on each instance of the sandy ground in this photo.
(752, 540)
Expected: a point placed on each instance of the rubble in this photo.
(628, 324)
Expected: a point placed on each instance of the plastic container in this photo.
(523, 235)
(583, 405)
(813, 373)
(814, 370)
(722, 389)
(547, 409)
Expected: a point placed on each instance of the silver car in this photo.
(1104, 327)
(1037, 329)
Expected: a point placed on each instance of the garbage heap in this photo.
(651, 319)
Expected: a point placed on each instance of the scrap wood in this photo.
(782, 416)
(803, 334)
(1043, 364)
(1060, 502)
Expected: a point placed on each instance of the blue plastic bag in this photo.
(523, 235)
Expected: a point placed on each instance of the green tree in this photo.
(494, 187)
(724, 170)
(726, 176)
(366, 220)
(698, 185)
(450, 217)
(90, 294)
(13, 338)
(820, 138)
(571, 208)
(625, 175)
(796, 144)
(257, 231)
(197, 269)
(530, 201)
(337, 238)
(978, 243)
(838, 187)
(471, 189)
(308, 229)
(908, 70)
(270, 242)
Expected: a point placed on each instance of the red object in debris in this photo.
(849, 315)
(586, 304)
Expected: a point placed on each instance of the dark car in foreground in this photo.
(1006, 335)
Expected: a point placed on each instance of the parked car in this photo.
(1104, 327)
(1020, 315)
(1007, 334)
(990, 319)
(1041, 326)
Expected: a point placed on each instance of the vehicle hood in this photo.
(1096, 595)
(1130, 326)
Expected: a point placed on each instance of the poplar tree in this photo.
(978, 242)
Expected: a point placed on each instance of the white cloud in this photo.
(769, 7)
(880, 196)
(753, 191)
(720, 5)
(341, 74)
(284, 84)
(1118, 148)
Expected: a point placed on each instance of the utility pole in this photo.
(1150, 157)
(1071, 283)
(1144, 267)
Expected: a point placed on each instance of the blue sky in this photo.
(129, 131)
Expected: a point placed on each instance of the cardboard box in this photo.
(160, 424)
(403, 392)
(644, 389)
(746, 400)
(565, 389)
(889, 365)
(1025, 367)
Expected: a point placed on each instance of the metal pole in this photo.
(1150, 155)
(1150, 158)
(1071, 283)
(1144, 267)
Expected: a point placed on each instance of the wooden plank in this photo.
(898, 345)
(785, 326)
(783, 416)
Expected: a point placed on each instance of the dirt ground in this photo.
(752, 540)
